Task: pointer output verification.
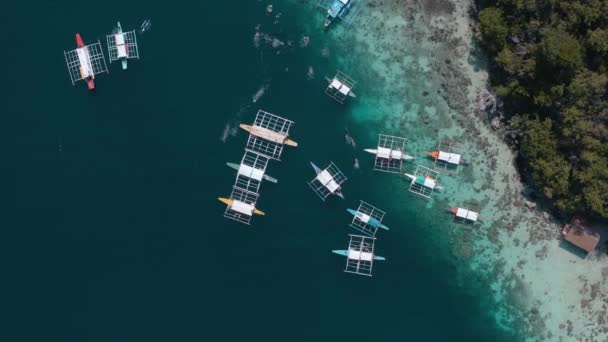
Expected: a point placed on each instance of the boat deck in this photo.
(85, 62)
(122, 45)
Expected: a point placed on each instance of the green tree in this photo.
(539, 146)
(598, 41)
(561, 49)
(585, 86)
(493, 28)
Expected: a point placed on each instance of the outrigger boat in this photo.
(241, 207)
(337, 9)
(448, 155)
(340, 87)
(122, 45)
(367, 219)
(360, 255)
(238, 167)
(427, 182)
(86, 70)
(85, 62)
(466, 214)
(269, 135)
(326, 179)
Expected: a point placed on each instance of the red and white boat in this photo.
(85, 62)
(86, 70)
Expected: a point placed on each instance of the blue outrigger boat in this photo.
(337, 9)
(367, 219)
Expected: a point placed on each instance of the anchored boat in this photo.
(360, 255)
(122, 45)
(462, 215)
(427, 181)
(337, 9)
(328, 181)
(85, 62)
(365, 218)
(448, 156)
(268, 135)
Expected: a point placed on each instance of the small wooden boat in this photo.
(268, 134)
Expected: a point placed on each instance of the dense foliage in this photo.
(551, 61)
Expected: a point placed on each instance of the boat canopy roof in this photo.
(328, 180)
(467, 214)
(341, 87)
(452, 158)
(85, 62)
(387, 153)
(242, 207)
(426, 181)
(358, 255)
(250, 172)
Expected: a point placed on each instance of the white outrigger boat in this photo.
(328, 181)
(389, 153)
(122, 45)
(386, 153)
(340, 87)
(359, 255)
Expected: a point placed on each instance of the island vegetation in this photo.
(550, 62)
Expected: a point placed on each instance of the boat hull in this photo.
(257, 132)
(375, 152)
(344, 252)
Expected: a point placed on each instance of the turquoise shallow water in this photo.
(116, 232)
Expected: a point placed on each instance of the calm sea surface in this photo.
(114, 231)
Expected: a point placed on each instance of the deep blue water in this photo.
(113, 229)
